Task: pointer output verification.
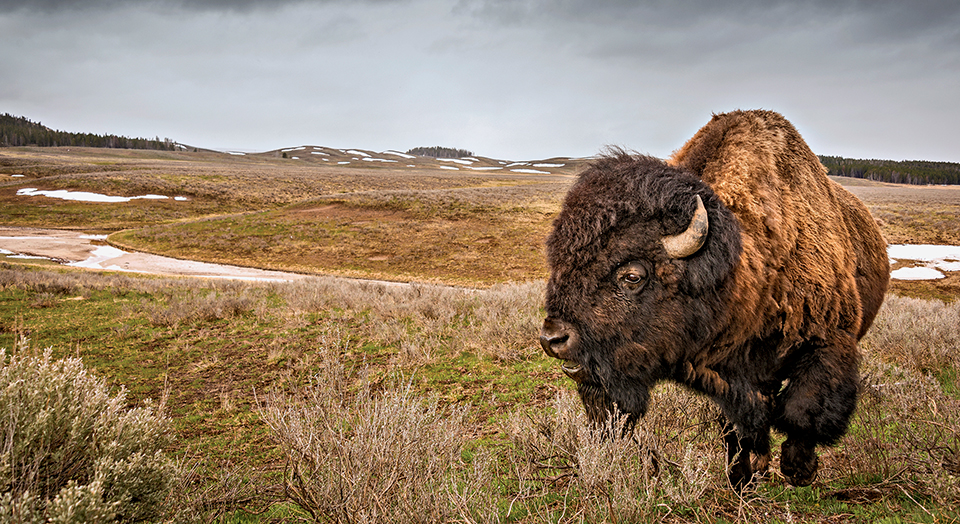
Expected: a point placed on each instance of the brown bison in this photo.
(736, 268)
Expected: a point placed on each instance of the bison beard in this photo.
(736, 268)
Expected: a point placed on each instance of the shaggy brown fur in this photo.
(764, 317)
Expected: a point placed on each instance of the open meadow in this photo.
(340, 400)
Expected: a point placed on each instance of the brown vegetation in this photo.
(437, 357)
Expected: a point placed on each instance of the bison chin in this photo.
(599, 406)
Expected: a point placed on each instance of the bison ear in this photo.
(691, 240)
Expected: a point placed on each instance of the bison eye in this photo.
(632, 276)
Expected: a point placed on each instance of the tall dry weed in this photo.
(426, 320)
(173, 307)
(364, 456)
(923, 335)
(505, 322)
(606, 474)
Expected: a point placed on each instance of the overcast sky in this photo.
(510, 79)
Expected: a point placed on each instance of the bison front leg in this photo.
(747, 455)
(814, 407)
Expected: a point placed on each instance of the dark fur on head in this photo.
(618, 211)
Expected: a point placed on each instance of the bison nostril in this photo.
(558, 339)
(554, 345)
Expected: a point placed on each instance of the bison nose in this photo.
(558, 338)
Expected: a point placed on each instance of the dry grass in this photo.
(914, 214)
(214, 183)
(476, 237)
(347, 370)
(484, 426)
(366, 457)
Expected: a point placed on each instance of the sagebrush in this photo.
(71, 451)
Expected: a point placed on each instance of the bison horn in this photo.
(691, 240)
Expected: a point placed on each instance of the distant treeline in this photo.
(440, 152)
(18, 131)
(897, 172)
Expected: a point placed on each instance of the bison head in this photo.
(641, 259)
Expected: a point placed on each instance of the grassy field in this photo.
(348, 401)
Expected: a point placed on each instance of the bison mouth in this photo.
(572, 369)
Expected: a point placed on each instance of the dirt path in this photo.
(88, 251)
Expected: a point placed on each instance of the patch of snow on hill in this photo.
(530, 171)
(548, 165)
(318, 153)
(355, 152)
(450, 167)
(399, 154)
(456, 160)
(85, 196)
(372, 159)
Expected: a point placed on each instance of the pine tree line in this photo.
(440, 152)
(898, 172)
(19, 131)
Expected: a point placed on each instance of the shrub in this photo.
(70, 452)
(606, 474)
(389, 457)
(918, 334)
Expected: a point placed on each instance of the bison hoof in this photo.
(760, 463)
(798, 463)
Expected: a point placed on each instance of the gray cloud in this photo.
(241, 6)
(517, 79)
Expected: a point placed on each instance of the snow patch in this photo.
(399, 154)
(450, 167)
(916, 273)
(372, 159)
(934, 259)
(530, 171)
(355, 152)
(99, 256)
(456, 160)
(85, 196)
(923, 252)
(548, 165)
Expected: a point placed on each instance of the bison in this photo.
(735, 268)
